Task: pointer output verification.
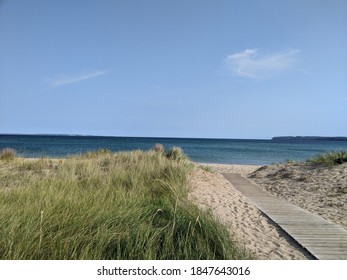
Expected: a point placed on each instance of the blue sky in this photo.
(193, 68)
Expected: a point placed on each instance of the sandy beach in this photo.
(321, 190)
(318, 189)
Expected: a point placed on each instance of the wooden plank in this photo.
(322, 234)
(335, 245)
(322, 238)
(324, 250)
(325, 231)
(320, 227)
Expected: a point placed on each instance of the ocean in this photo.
(231, 151)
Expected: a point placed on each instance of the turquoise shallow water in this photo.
(236, 151)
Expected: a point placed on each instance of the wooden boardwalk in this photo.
(322, 238)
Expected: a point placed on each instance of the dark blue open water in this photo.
(201, 150)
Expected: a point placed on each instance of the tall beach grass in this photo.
(7, 154)
(330, 159)
(106, 206)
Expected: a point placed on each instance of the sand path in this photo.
(248, 226)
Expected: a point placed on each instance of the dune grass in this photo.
(330, 159)
(7, 154)
(106, 206)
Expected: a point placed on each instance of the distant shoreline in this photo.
(275, 138)
(299, 138)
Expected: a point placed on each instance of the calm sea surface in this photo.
(200, 150)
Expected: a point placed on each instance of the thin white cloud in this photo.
(250, 64)
(62, 80)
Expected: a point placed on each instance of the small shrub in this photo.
(176, 153)
(158, 148)
(8, 154)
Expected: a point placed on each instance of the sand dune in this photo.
(318, 189)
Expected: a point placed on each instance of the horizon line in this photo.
(165, 137)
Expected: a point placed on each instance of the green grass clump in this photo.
(176, 153)
(206, 168)
(7, 154)
(106, 206)
(330, 159)
(95, 154)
